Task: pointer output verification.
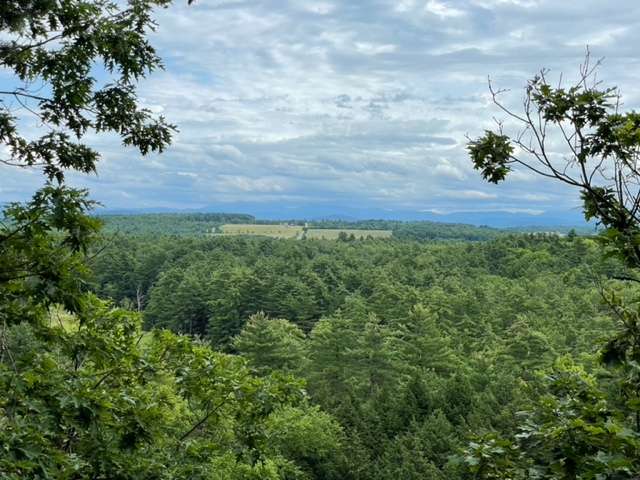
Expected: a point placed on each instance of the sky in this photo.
(306, 108)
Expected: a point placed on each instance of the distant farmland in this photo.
(276, 231)
(299, 232)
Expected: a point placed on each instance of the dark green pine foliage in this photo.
(272, 344)
(408, 338)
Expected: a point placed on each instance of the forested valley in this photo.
(222, 347)
(411, 347)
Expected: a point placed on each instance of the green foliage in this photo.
(41, 248)
(422, 451)
(492, 458)
(309, 437)
(405, 348)
(271, 344)
(93, 399)
(58, 44)
(410, 346)
(525, 348)
(579, 426)
(491, 155)
(183, 224)
(430, 347)
(586, 107)
(572, 431)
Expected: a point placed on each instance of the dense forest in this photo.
(411, 347)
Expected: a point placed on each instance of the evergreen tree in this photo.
(272, 344)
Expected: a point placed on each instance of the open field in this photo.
(334, 233)
(299, 232)
(276, 231)
(60, 318)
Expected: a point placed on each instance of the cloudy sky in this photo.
(362, 106)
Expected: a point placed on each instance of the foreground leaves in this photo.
(93, 397)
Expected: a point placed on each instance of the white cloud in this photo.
(320, 8)
(469, 195)
(447, 170)
(599, 38)
(536, 197)
(502, 3)
(356, 103)
(226, 150)
(442, 9)
(235, 183)
(373, 49)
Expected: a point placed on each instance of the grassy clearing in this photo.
(298, 232)
(276, 231)
(60, 318)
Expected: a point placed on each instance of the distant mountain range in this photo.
(496, 219)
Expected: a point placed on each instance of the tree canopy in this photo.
(582, 426)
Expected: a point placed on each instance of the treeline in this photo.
(411, 346)
(182, 224)
(420, 231)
